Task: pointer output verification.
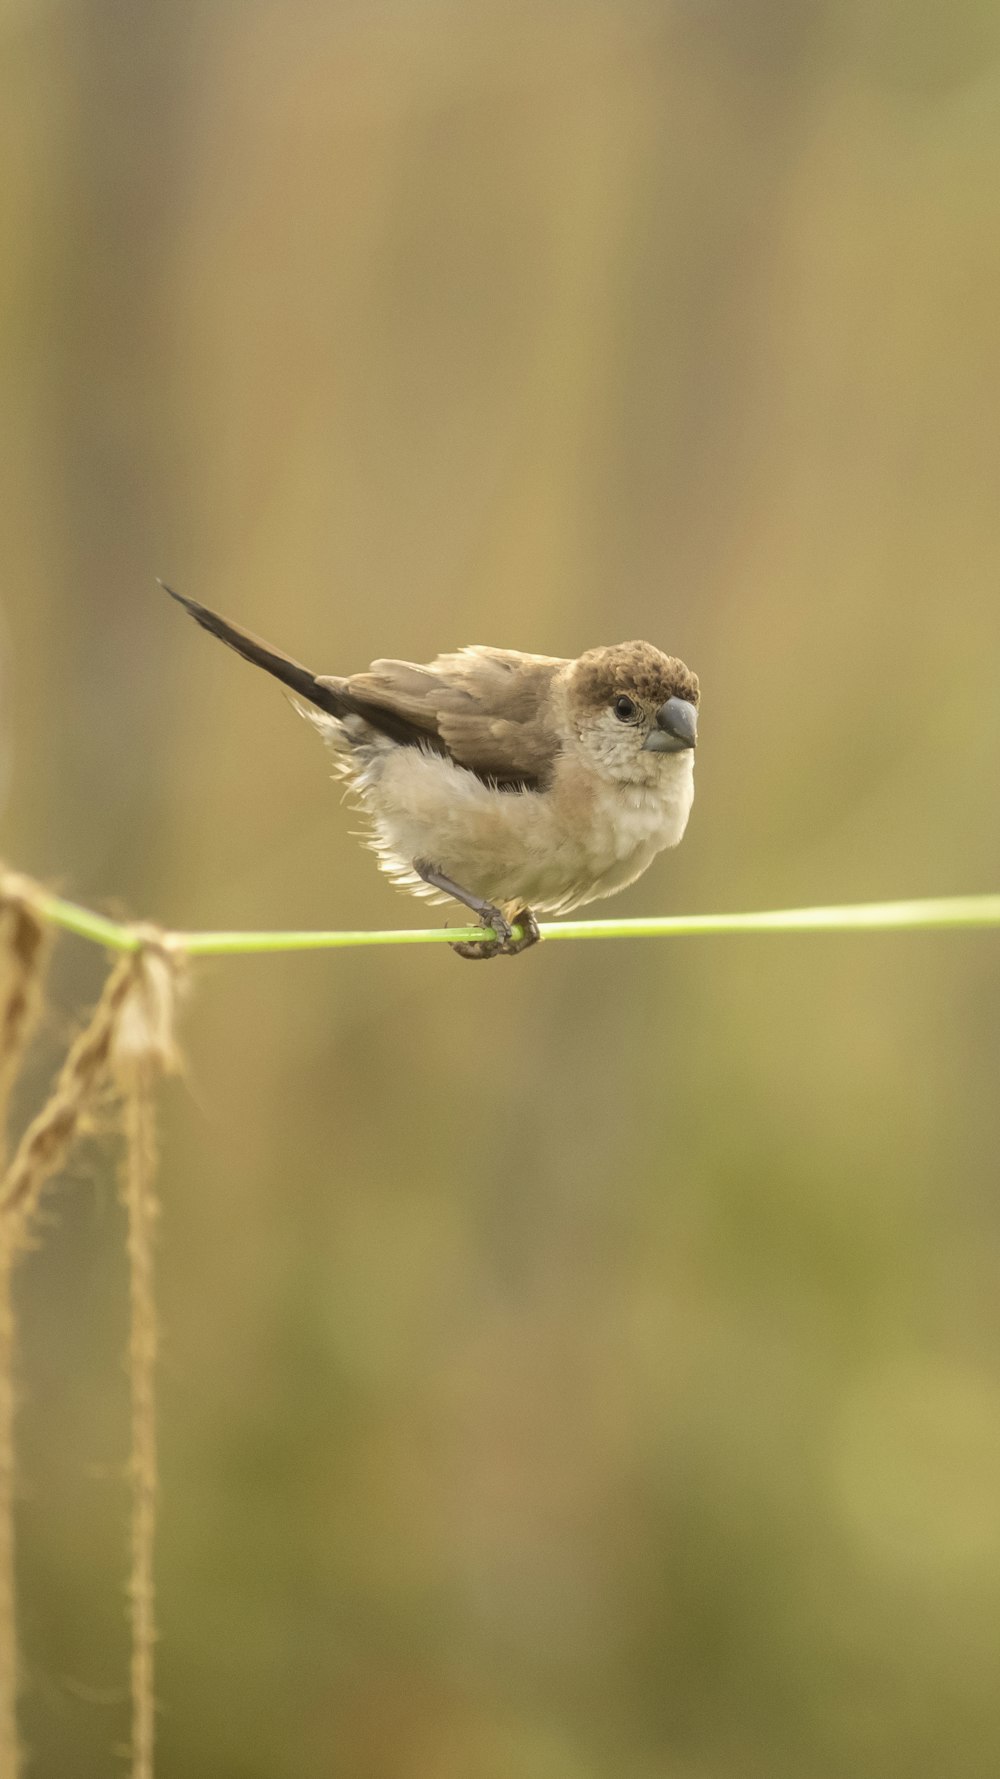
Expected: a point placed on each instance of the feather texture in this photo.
(490, 709)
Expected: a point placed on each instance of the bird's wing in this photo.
(324, 690)
(327, 694)
(491, 708)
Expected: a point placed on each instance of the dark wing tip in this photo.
(200, 613)
(260, 654)
(251, 647)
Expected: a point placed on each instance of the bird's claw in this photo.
(502, 944)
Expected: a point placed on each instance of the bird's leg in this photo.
(489, 916)
(501, 946)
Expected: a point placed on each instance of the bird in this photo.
(514, 784)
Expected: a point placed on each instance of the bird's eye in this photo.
(625, 709)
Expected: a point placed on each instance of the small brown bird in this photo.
(511, 783)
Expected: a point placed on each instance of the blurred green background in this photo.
(587, 1366)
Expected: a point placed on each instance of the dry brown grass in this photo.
(126, 1045)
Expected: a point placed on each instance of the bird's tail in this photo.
(323, 693)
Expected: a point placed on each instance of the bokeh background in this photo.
(588, 1366)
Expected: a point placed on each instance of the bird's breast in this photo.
(550, 850)
(644, 818)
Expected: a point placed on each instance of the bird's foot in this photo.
(502, 944)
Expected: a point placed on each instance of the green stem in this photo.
(944, 911)
(74, 919)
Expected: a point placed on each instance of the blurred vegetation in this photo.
(588, 1366)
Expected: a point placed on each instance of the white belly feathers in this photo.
(551, 851)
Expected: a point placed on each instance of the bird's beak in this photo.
(676, 728)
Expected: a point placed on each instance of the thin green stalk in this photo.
(938, 912)
(112, 933)
(858, 917)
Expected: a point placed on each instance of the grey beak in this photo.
(676, 728)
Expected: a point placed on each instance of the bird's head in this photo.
(632, 709)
